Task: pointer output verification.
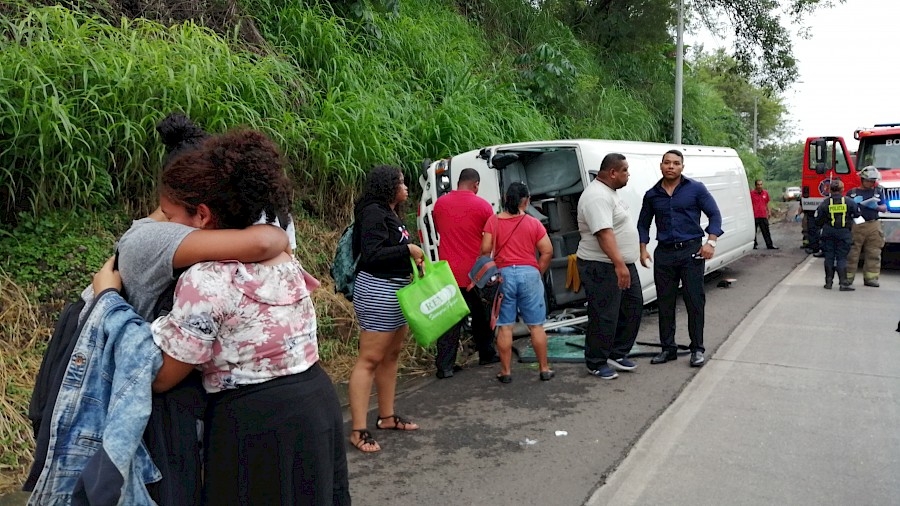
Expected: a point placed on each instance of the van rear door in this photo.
(439, 178)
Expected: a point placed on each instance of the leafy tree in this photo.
(762, 43)
(783, 162)
(724, 74)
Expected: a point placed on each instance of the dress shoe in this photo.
(490, 360)
(697, 359)
(663, 357)
(772, 247)
(819, 254)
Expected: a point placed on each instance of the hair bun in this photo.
(178, 131)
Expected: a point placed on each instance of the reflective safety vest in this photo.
(837, 210)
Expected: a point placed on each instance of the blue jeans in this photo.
(523, 293)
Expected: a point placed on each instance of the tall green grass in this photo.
(79, 100)
(426, 89)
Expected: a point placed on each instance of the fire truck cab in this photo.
(827, 158)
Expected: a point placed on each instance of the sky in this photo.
(849, 70)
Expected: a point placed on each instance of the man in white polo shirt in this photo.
(607, 253)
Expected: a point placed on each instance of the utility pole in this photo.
(755, 123)
(679, 76)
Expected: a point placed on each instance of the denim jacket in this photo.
(95, 453)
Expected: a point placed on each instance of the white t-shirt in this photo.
(601, 207)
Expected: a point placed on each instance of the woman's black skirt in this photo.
(277, 443)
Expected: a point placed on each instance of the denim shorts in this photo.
(523, 293)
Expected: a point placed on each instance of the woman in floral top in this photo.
(274, 426)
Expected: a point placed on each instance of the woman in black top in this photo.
(382, 243)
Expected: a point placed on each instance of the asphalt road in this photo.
(483, 443)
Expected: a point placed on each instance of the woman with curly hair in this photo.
(382, 243)
(273, 427)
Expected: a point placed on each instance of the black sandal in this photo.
(365, 438)
(397, 421)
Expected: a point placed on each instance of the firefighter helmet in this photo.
(870, 172)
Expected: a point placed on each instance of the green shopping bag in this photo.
(432, 303)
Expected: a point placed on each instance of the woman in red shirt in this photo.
(517, 235)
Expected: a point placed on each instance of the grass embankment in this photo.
(80, 95)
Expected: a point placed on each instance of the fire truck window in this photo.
(840, 160)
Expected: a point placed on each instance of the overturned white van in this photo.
(556, 172)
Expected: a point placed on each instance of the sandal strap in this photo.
(365, 437)
(397, 420)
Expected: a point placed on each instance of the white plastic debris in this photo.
(562, 433)
(528, 442)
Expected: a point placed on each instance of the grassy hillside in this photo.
(82, 85)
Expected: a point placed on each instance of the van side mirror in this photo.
(820, 168)
(425, 164)
(821, 152)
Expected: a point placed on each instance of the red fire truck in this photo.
(827, 158)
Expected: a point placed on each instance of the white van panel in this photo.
(547, 165)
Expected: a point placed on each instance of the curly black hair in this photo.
(381, 187)
(179, 134)
(239, 175)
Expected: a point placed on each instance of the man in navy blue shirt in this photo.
(675, 202)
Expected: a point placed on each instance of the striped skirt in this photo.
(375, 302)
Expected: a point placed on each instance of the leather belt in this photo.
(678, 245)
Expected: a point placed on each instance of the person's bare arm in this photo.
(487, 243)
(170, 374)
(252, 244)
(545, 249)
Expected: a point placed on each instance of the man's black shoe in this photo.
(819, 254)
(772, 247)
(487, 361)
(663, 357)
(697, 359)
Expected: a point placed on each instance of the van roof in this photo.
(636, 147)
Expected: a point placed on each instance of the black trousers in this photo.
(614, 315)
(836, 244)
(671, 266)
(763, 224)
(448, 344)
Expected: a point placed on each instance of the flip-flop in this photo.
(504, 378)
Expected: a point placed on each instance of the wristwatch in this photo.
(711, 242)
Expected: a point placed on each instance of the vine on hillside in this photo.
(548, 76)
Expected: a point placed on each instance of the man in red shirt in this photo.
(760, 200)
(459, 219)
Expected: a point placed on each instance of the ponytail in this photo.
(514, 195)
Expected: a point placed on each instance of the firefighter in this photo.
(868, 237)
(835, 218)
